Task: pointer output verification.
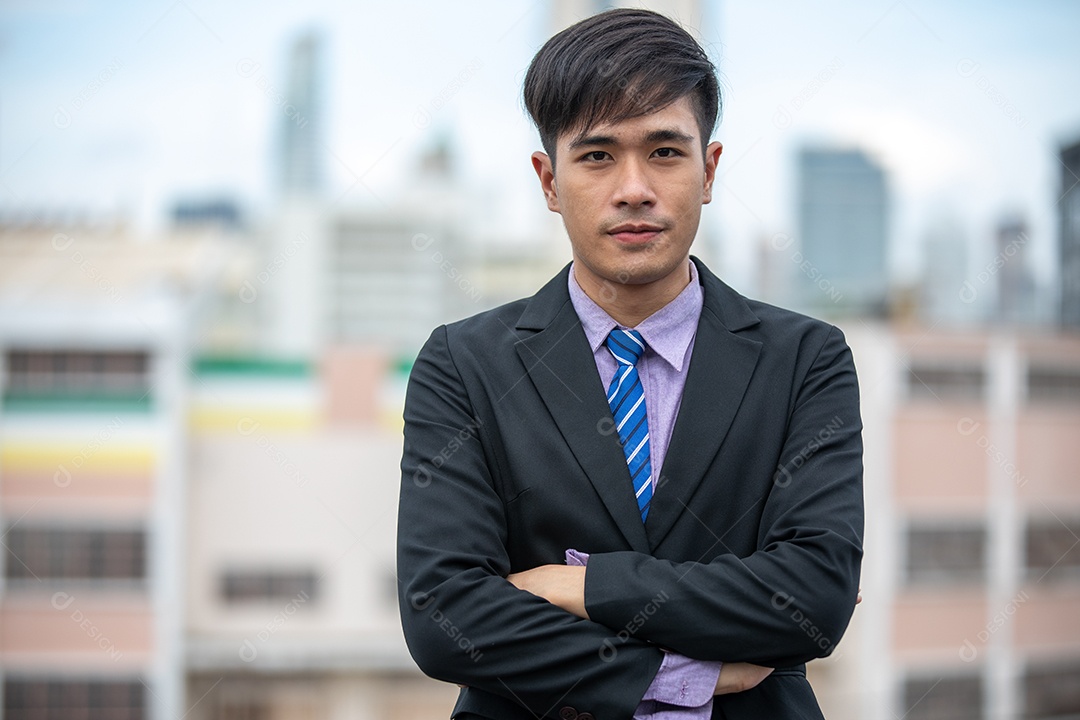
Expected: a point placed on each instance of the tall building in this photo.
(843, 226)
(1069, 247)
(944, 296)
(302, 139)
(1016, 298)
(287, 286)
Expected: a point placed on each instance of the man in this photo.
(637, 489)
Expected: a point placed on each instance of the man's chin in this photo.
(644, 272)
(639, 276)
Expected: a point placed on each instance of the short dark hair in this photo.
(614, 66)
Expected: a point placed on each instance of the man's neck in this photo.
(628, 305)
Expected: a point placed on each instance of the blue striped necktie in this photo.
(627, 400)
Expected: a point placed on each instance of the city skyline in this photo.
(161, 103)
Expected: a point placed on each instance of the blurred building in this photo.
(303, 146)
(843, 227)
(1016, 296)
(945, 296)
(219, 212)
(972, 568)
(387, 278)
(95, 331)
(1069, 240)
(188, 535)
(393, 273)
(291, 590)
(286, 292)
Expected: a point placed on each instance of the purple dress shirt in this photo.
(683, 688)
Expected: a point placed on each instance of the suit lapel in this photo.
(720, 370)
(562, 369)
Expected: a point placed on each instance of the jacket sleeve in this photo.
(463, 621)
(790, 600)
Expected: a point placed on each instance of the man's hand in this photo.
(736, 677)
(560, 585)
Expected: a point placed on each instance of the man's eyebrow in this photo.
(669, 136)
(654, 136)
(586, 140)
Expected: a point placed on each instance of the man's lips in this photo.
(635, 232)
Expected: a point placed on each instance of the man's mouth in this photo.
(635, 232)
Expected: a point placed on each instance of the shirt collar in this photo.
(667, 332)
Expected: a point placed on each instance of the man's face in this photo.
(630, 194)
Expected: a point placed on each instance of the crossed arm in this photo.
(564, 587)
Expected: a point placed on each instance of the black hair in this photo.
(614, 66)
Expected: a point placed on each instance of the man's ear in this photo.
(712, 156)
(546, 172)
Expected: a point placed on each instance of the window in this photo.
(242, 710)
(252, 698)
(937, 698)
(1053, 384)
(44, 553)
(62, 699)
(946, 381)
(1051, 691)
(244, 586)
(51, 372)
(1053, 547)
(937, 554)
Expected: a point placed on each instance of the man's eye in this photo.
(596, 156)
(667, 152)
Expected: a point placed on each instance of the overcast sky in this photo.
(123, 107)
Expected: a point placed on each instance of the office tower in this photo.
(947, 295)
(843, 221)
(287, 288)
(301, 120)
(1069, 227)
(1015, 283)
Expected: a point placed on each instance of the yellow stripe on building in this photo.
(47, 457)
(250, 421)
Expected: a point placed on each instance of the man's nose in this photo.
(633, 185)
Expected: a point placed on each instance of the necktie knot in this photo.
(626, 346)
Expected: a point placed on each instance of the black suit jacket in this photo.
(753, 543)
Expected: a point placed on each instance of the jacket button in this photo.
(585, 716)
(569, 713)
